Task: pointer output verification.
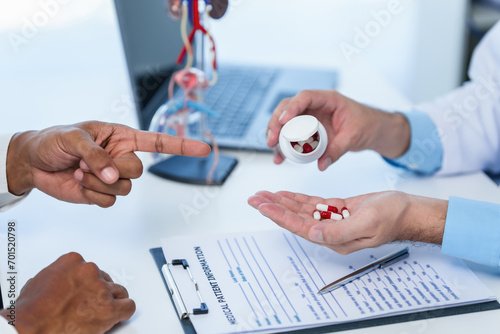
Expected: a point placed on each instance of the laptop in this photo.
(244, 96)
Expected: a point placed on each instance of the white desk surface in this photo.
(118, 239)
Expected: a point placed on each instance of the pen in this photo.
(380, 263)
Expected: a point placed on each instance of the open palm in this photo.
(375, 218)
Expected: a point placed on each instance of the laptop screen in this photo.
(152, 42)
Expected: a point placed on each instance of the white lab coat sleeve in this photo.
(5, 328)
(468, 118)
(7, 200)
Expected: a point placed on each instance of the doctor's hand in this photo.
(70, 296)
(350, 126)
(90, 162)
(375, 218)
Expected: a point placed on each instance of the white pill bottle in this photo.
(297, 134)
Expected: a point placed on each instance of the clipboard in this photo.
(160, 261)
(188, 327)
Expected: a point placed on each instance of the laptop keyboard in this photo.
(236, 97)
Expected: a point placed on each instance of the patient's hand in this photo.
(375, 218)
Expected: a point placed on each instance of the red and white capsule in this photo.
(297, 147)
(307, 148)
(345, 212)
(331, 215)
(325, 207)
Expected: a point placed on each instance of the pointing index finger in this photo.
(162, 143)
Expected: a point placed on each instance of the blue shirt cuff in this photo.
(472, 231)
(425, 154)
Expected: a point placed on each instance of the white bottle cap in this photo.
(301, 128)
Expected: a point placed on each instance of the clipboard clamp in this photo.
(174, 290)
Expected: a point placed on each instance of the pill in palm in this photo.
(325, 207)
(345, 213)
(331, 215)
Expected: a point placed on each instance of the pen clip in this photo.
(398, 257)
